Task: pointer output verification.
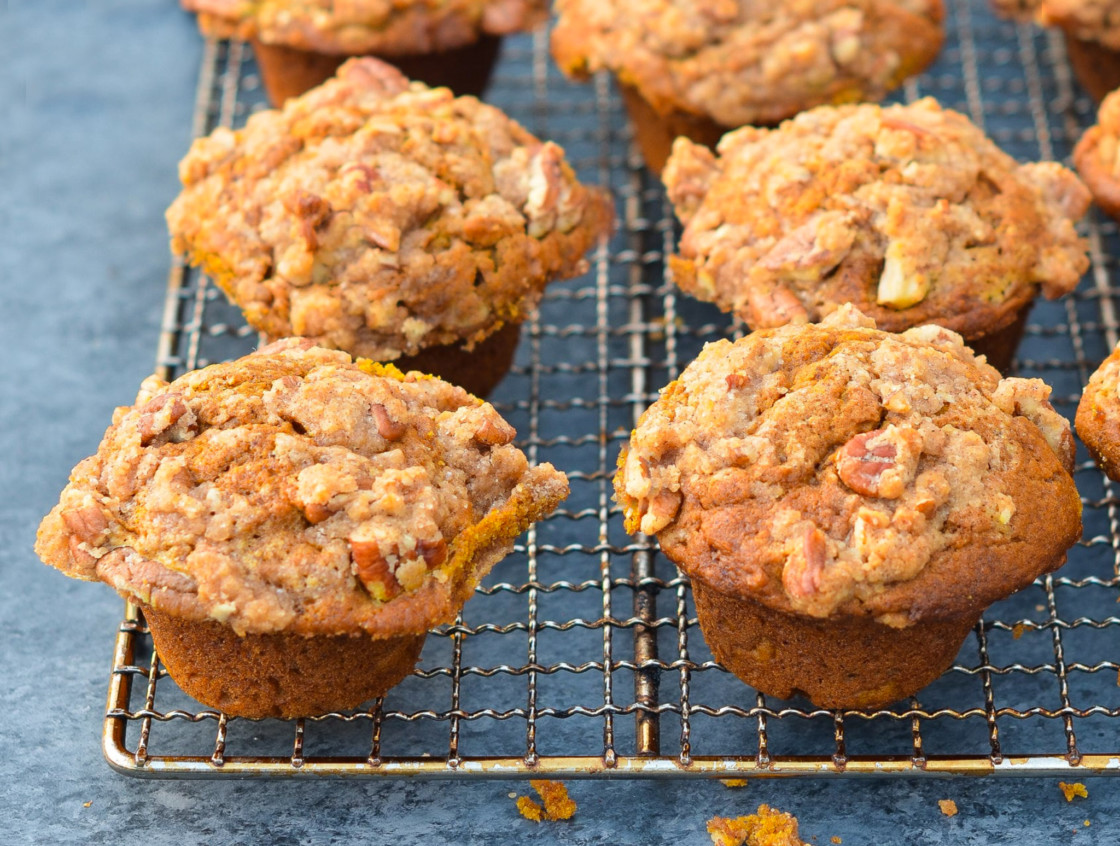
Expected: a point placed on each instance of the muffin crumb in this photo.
(948, 807)
(1072, 790)
(766, 827)
(555, 802)
(733, 782)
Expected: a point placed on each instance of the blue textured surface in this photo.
(98, 99)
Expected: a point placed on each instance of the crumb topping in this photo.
(352, 27)
(908, 211)
(293, 490)
(380, 216)
(827, 467)
(1097, 155)
(766, 827)
(741, 63)
(1098, 415)
(557, 805)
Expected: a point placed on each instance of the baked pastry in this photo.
(1097, 156)
(907, 211)
(846, 501)
(300, 43)
(385, 218)
(701, 67)
(292, 523)
(1092, 35)
(1098, 416)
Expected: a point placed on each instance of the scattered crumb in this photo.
(837, 840)
(767, 827)
(1040, 608)
(1071, 790)
(1086, 823)
(733, 782)
(87, 804)
(1017, 630)
(948, 807)
(557, 805)
(512, 795)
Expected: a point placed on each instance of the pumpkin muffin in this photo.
(1097, 156)
(292, 523)
(846, 501)
(908, 212)
(387, 219)
(1098, 416)
(300, 43)
(701, 67)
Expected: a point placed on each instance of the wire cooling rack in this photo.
(580, 654)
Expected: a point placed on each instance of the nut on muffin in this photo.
(293, 505)
(733, 63)
(909, 212)
(382, 217)
(846, 502)
(1098, 416)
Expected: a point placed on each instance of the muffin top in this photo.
(379, 216)
(738, 62)
(296, 491)
(909, 212)
(1097, 155)
(353, 27)
(839, 469)
(1098, 415)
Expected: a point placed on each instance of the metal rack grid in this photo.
(580, 654)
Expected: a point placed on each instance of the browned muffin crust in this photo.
(1098, 416)
(1086, 20)
(293, 491)
(836, 470)
(1097, 156)
(367, 26)
(908, 212)
(741, 63)
(382, 217)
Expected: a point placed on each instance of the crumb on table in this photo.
(1074, 789)
(733, 782)
(948, 807)
(836, 839)
(556, 804)
(767, 827)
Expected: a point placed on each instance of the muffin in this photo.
(292, 523)
(387, 219)
(908, 212)
(700, 67)
(846, 501)
(300, 43)
(1097, 156)
(1092, 36)
(1098, 416)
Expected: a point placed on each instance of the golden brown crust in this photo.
(1098, 416)
(1097, 156)
(1086, 20)
(381, 217)
(292, 491)
(908, 212)
(837, 470)
(747, 63)
(355, 27)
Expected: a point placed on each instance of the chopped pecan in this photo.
(871, 464)
(81, 557)
(387, 427)
(372, 568)
(775, 307)
(85, 523)
(494, 431)
(161, 414)
(802, 574)
(434, 552)
(317, 512)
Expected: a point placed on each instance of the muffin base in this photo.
(288, 72)
(478, 371)
(278, 675)
(1000, 346)
(1097, 67)
(846, 662)
(655, 133)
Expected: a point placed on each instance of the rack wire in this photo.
(580, 653)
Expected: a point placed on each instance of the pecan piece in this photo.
(803, 570)
(775, 307)
(434, 552)
(387, 427)
(161, 414)
(372, 568)
(86, 523)
(494, 431)
(880, 463)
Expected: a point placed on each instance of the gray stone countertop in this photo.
(97, 101)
